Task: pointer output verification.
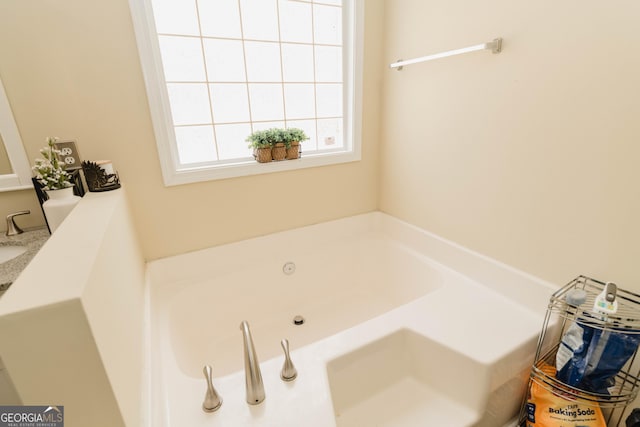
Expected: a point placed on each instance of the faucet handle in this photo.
(289, 372)
(212, 401)
(12, 228)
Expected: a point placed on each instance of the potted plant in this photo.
(293, 137)
(56, 183)
(278, 143)
(261, 144)
(49, 171)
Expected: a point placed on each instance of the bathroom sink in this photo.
(405, 379)
(7, 253)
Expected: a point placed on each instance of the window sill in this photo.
(233, 170)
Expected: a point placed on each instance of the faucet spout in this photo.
(252, 374)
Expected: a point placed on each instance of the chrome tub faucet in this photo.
(252, 374)
(212, 400)
(288, 372)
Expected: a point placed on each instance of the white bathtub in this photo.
(356, 280)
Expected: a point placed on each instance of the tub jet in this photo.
(298, 320)
(289, 268)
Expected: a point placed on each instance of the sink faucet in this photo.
(252, 374)
(12, 228)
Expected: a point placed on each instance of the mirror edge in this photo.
(20, 179)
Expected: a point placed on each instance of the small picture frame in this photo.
(69, 155)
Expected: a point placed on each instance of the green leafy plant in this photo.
(48, 170)
(266, 138)
(275, 136)
(294, 135)
(259, 139)
(270, 137)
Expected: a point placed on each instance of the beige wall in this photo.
(530, 156)
(527, 156)
(71, 69)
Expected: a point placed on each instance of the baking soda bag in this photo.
(548, 409)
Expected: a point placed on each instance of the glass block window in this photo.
(217, 70)
(234, 66)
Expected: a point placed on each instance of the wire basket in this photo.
(622, 387)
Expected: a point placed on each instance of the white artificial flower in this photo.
(49, 171)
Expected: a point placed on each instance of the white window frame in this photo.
(174, 174)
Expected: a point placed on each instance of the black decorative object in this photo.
(42, 197)
(97, 179)
(634, 419)
(76, 180)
